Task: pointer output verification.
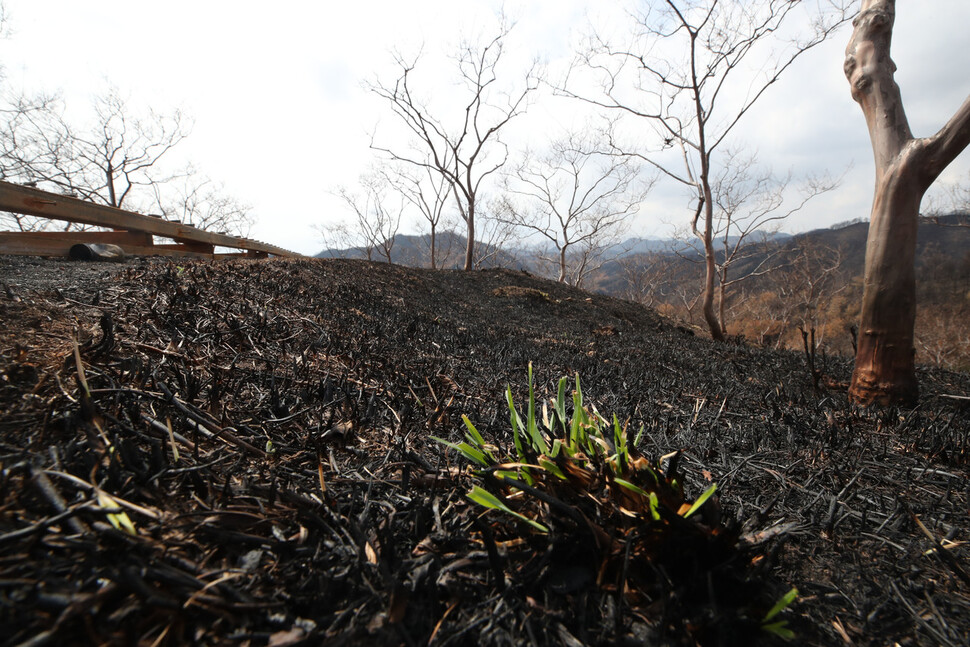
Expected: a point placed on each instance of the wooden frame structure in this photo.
(133, 232)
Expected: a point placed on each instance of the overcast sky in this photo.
(281, 118)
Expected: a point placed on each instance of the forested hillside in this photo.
(813, 281)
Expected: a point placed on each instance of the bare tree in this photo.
(116, 161)
(938, 341)
(377, 213)
(646, 277)
(687, 77)
(905, 168)
(467, 150)
(948, 199)
(121, 159)
(494, 247)
(576, 200)
(429, 192)
(749, 203)
(203, 203)
(811, 278)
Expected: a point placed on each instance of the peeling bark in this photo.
(905, 168)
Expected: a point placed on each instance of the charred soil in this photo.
(265, 429)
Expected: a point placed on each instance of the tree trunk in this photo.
(710, 267)
(434, 260)
(905, 168)
(721, 295)
(884, 365)
(470, 242)
(562, 264)
(110, 181)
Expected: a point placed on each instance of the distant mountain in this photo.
(644, 245)
(947, 237)
(415, 251)
(633, 246)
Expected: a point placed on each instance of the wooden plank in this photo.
(34, 202)
(109, 237)
(197, 248)
(56, 243)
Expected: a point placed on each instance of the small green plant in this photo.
(780, 627)
(587, 498)
(582, 449)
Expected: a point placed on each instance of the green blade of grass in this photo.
(466, 450)
(535, 436)
(632, 487)
(474, 437)
(703, 498)
(639, 437)
(516, 423)
(552, 468)
(654, 505)
(485, 498)
(780, 629)
(781, 605)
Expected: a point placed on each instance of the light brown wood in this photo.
(34, 202)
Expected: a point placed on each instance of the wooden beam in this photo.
(59, 243)
(34, 202)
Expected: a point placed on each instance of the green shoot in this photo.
(486, 499)
(700, 501)
(780, 627)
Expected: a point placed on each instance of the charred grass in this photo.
(266, 430)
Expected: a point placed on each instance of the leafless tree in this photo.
(948, 199)
(939, 342)
(749, 204)
(905, 168)
(686, 76)
(429, 193)
(576, 200)
(377, 213)
(646, 277)
(465, 150)
(116, 161)
(811, 278)
(199, 201)
(496, 235)
(121, 159)
(4, 22)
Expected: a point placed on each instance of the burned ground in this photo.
(265, 427)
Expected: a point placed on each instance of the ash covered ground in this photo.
(265, 426)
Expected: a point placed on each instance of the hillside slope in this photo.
(308, 501)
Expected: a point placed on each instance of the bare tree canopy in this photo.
(576, 200)
(122, 158)
(463, 147)
(428, 192)
(906, 166)
(377, 212)
(201, 202)
(689, 75)
(116, 160)
(750, 202)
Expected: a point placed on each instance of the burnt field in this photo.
(241, 453)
